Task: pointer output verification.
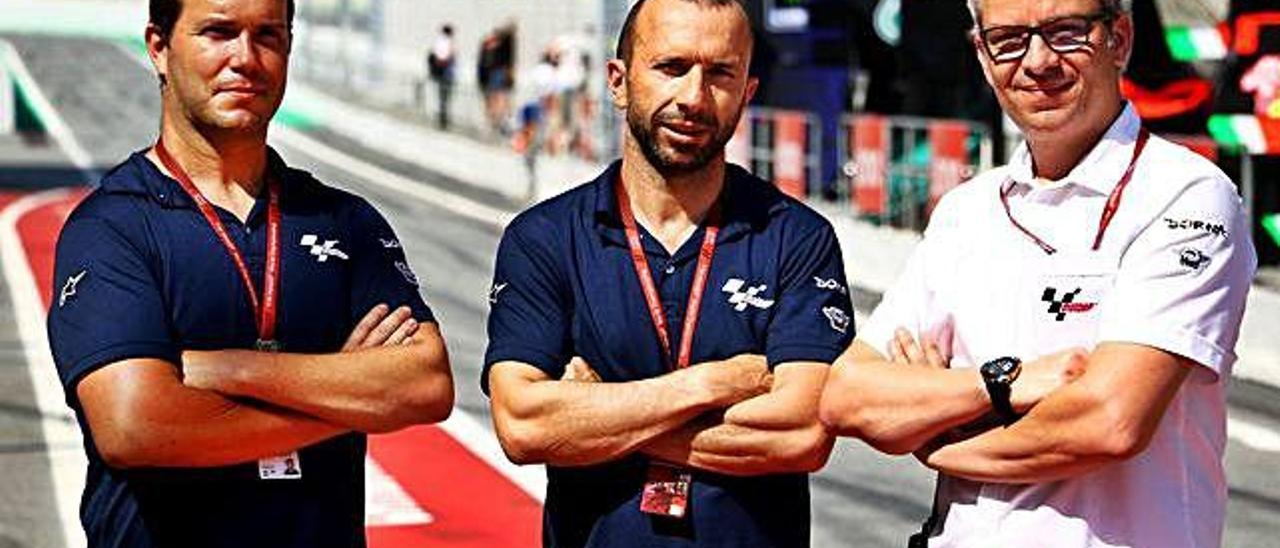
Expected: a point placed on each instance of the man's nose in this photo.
(244, 52)
(1039, 57)
(693, 93)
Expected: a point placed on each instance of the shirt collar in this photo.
(139, 175)
(746, 203)
(1101, 168)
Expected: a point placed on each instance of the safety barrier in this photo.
(898, 167)
(783, 146)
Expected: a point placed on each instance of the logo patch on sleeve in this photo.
(1193, 260)
(70, 287)
(407, 272)
(493, 293)
(830, 284)
(839, 318)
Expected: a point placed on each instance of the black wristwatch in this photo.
(998, 375)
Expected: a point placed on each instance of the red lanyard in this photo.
(1108, 212)
(266, 309)
(700, 277)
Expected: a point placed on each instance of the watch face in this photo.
(1001, 370)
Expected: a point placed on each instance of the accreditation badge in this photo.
(283, 467)
(666, 491)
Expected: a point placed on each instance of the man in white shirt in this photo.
(440, 67)
(1086, 297)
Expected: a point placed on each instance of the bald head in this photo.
(627, 39)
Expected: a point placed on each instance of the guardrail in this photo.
(783, 146)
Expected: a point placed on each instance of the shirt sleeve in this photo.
(380, 271)
(106, 304)
(529, 309)
(1182, 284)
(910, 302)
(814, 320)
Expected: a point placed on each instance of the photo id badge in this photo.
(283, 467)
(666, 491)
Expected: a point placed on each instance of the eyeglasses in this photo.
(1062, 35)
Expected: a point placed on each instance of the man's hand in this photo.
(1038, 378)
(578, 370)
(904, 350)
(382, 327)
(739, 378)
(1044, 375)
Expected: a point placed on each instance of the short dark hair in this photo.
(164, 15)
(626, 39)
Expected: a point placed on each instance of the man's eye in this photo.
(219, 32)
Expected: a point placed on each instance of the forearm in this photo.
(371, 390)
(898, 408)
(716, 446)
(1057, 439)
(567, 423)
(189, 428)
(1109, 415)
(778, 432)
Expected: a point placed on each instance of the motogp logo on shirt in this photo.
(1059, 308)
(741, 299)
(322, 252)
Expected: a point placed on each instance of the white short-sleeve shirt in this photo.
(1172, 272)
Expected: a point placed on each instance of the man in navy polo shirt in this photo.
(660, 337)
(227, 328)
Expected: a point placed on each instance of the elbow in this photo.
(431, 400)
(807, 451)
(1120, 440)
(426, 400)
(520, 443)
(123, 449)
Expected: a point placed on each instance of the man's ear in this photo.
(616, 73)
(158, 51)
(1120, 40)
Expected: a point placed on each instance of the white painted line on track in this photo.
(383, 178)
(49, 117)
(59, 428)
(468, 431)
(386, 504)
(1252, 435)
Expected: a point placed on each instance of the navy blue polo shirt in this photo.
(565, 286)
(140, 274)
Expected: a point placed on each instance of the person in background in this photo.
(440, 66)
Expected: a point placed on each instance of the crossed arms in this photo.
(730, 416)
(391, 373)
(1082, 411)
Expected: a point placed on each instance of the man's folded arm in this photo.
(776, 432)
(570, 423)
(140, 415)
(898, 406)
(374, 389)
(1108, 415)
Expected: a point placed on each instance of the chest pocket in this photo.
(1064, 293)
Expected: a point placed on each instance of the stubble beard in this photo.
(669, 162)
